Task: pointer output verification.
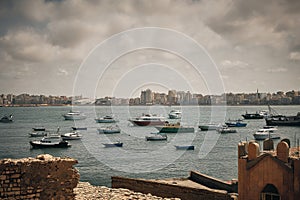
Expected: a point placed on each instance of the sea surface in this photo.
(215, 154)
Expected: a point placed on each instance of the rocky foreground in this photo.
(85, 191)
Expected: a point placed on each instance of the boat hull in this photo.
(154, 138)
(147, 123)
(62, 144)
(273, 122)
(79, 128)
(229, 124)
(109, 131)
(105, 121)
(37, 134)
(74, 117)
(175, 129)
(226, 131)
(208, 127)
(174, 116)
(253, 116)
(113, 145)
(265, 136)
(189, 147)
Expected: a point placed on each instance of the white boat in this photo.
(106, 119)
(38, 134)
(267, 132)
(175, 114)
(71, 136)
(109, 129)
(116, 144)
(74, 115)
(225, 129)
(53, 141)
(209, 127)
(156, 137)
(148, 120)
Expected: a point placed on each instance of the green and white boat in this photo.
(175, 128)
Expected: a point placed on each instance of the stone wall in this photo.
(43, 177)
(169, 190)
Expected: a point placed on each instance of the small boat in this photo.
(74, 115)
(109, 129)
(39, 128)
(79, 128)
(116, 144)
(71, 136)
(38, 134)
(236, 123)
(210, 126)
(175, 114)
(188, 147)
(106, 119)
(148, 120)
(283, 120)
(266, 132)
(7, 119)
(50, 141)
(253, 115)
(226, 129)
(156, 137)
(174, 128)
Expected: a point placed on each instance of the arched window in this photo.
(269, 192)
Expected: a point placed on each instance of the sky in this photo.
(101, 48)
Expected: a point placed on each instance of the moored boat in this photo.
(79, 128)
(175, 114)
(109, 129)
(186, 147)
(148, 120)
(71, 136)
(50, 141)
(116, 144)
(74, 115)
(41, 128)
(175, 128)
(38, 134)
(106, 119)
(226, 129)
(236, 123)
(209, 127)
(253, 115)
(7, 119)
(267, 132)
(282, 120)
(156, 137)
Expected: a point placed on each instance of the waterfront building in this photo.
(268, 174)
(147, 97)
(172, 99)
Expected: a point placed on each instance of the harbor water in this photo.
(215, 154)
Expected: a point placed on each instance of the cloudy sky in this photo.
(44, 45)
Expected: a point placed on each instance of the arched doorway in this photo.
(269, 192)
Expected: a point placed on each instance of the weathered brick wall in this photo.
(43, 177)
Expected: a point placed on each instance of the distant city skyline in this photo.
(45, 45)
(149, 97)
